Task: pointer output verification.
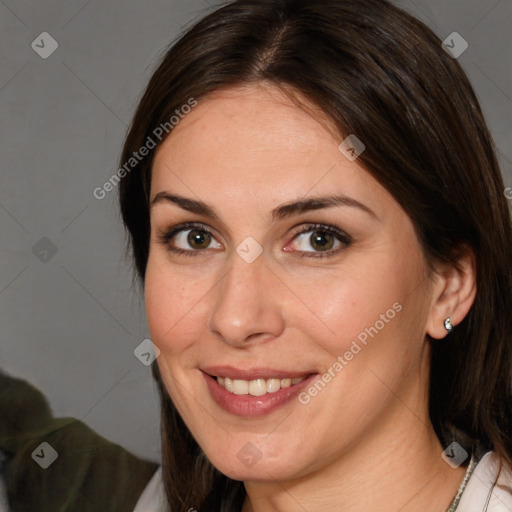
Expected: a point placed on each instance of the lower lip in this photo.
(253, 406)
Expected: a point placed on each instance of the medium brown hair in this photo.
(379, 73)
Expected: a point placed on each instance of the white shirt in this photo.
(480, 493)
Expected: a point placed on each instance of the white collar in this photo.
(153, 498)
(486, 491)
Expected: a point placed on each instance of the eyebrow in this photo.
(283, 211)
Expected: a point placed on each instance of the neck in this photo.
(389, 469)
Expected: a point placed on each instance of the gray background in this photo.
(69, 325)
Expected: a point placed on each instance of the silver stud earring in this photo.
(448, 324)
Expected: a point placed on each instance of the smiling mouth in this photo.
(262, 391)
(256, 387)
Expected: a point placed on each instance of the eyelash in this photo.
(166, 236)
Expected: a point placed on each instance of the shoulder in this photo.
(153, 498)
(489, 488)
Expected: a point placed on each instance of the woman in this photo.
(317, 216)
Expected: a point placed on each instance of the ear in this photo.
(453, 293)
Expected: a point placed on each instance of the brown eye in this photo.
(188, 239)
(199, 239)
(322, 241)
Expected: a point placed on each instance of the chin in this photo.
(251, 464)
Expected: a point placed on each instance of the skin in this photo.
(365, 442)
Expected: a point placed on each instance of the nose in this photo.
(246, 304)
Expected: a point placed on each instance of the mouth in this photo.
(254, 392)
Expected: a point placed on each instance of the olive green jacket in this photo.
(60, 464)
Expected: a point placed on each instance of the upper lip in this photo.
(252, 373)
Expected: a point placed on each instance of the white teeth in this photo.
(228, 384)
(256, 387)
(286, 383)
(240, 387)
(273, 385)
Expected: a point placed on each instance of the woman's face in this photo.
(274, 283)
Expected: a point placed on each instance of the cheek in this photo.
(376, 302)
(345, 302)
(173, 303)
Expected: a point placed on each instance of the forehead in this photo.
(255, 141)
(245, 122)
